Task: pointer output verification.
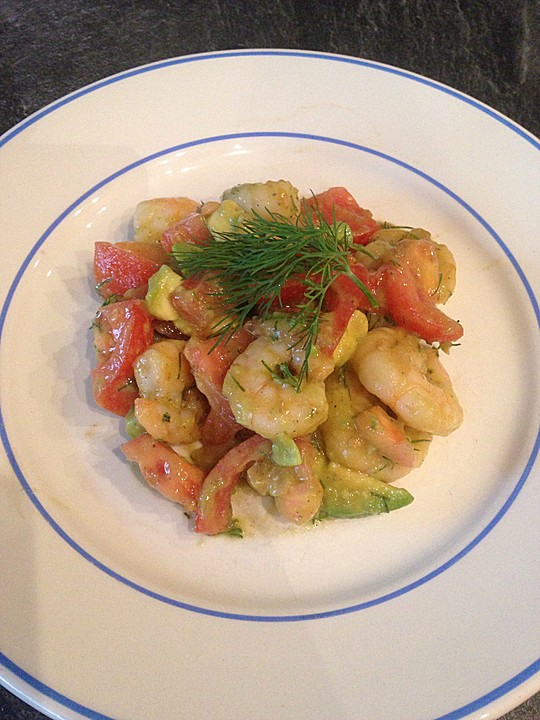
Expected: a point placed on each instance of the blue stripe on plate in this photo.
(240, 616)
(457, 714)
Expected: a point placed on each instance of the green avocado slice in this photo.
(350, 494)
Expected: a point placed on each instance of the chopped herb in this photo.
(234, 529)
(112, 299)
(388, 226)
(384, 500)
(282, 374)
(236, 382)
(101, 284)
(439, 284)
(130, 382)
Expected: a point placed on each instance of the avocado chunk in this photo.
(349, 494)
(225, 218)
(133, 426)
(160, 286)
(285, 452)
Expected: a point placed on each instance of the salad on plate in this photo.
(289, 344)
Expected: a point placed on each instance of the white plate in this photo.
(111, 606)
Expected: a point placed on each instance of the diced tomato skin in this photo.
(121, 267)
(209, 364)
(122, 331)
(292, 293)
(213, 361)
(150, 250)
(338, 204)
(219, 427)
(191, 229)
(344, 296)
(415, 311)
(338, 196)
(336, 324)
(197, 229)
(195, 302)
(163, 469)
(174, 235)
(362, 226)
(215, 510)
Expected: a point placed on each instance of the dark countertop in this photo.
(489, 49)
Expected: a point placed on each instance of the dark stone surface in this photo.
(489, 49)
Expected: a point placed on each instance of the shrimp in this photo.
(274, 196)
(241, 202)
(261, 389)
(209, 364)
(360, 434)
(321, 360)
(432, 264)
(170, 408)
(153, 217)
(407, 376)
(297, 491)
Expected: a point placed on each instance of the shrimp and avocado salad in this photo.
(289, 344)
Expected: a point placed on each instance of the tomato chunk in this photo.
(196, 302)
(414, 310)
(344, 291)
(124, 266)
(191, 229)
(338, 204)
(122, 331)
(209, 364)
(344, 296)
(163, 469)
(215, 509)
(292, 293)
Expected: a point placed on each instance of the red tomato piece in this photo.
(163, 469)
(219, 427)
(174, 235)
(195, 302)
(413, 309)
(122, 331)
(292, 293)
(215, 510)
(191, 229)
(123, 266)
(344, 291)
(344, 296)
(209, 364)
(338, 204)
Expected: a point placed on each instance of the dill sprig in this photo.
(252, 265)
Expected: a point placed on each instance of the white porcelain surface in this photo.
(114, 608)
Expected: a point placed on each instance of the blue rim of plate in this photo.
(67, 702)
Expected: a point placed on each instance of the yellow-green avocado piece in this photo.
(285, 452)
(133, 426)
(349, 494)
(160, 286)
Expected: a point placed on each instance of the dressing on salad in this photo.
(288, 344)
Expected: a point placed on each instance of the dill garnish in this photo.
(252, 265)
